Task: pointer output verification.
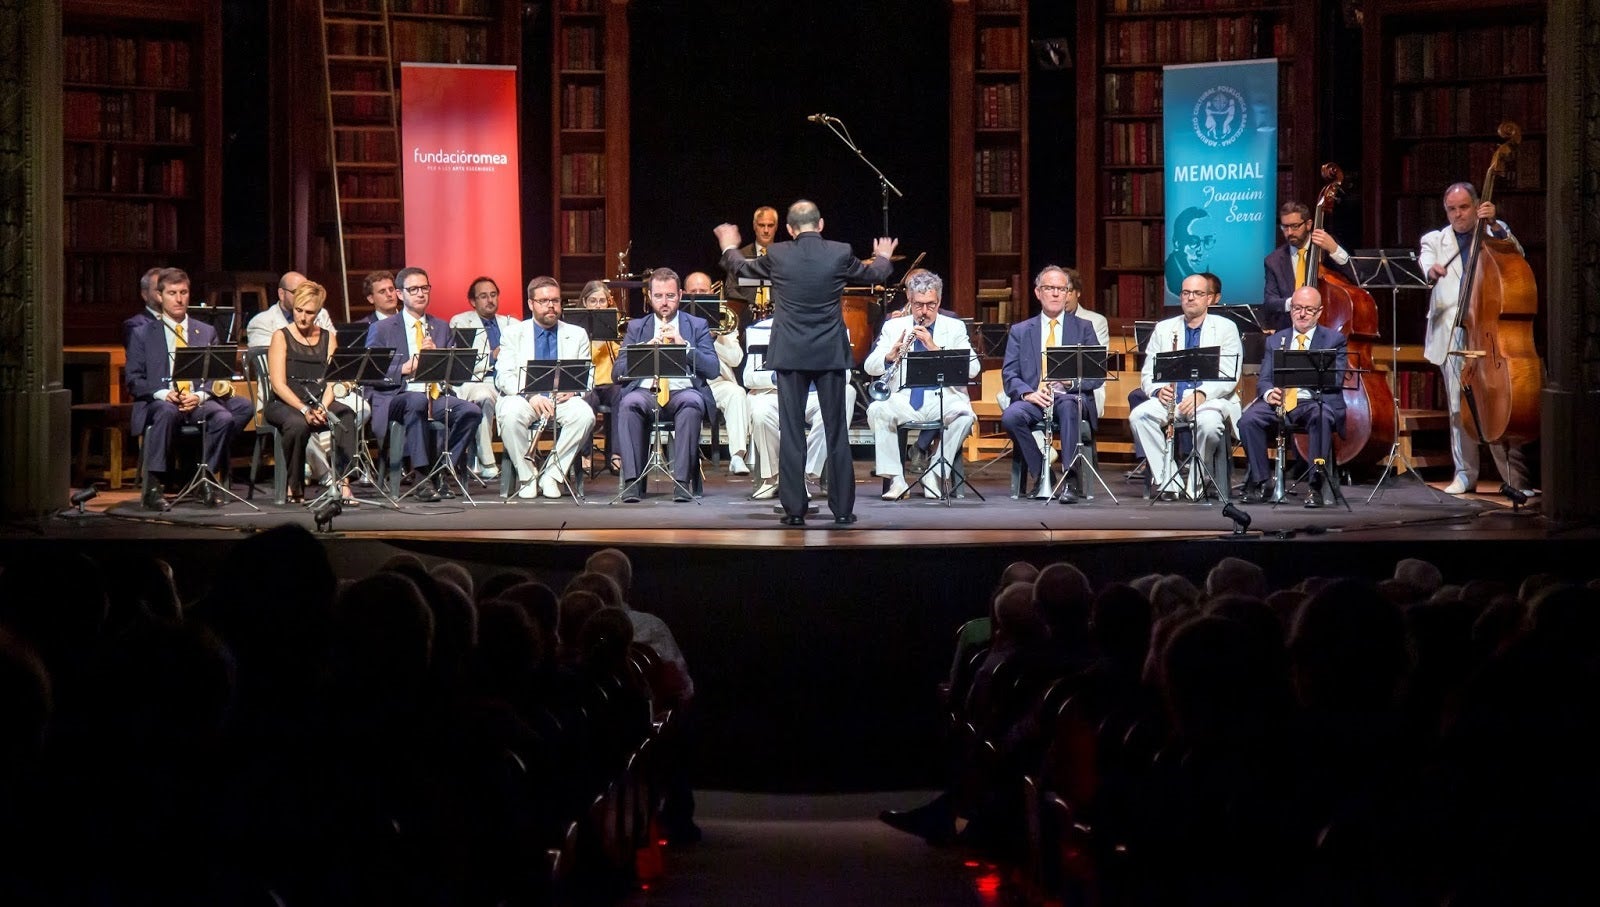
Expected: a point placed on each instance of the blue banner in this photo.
(1220, 154)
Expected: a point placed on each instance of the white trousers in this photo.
(884, 418)
(516, 418)
(764, 432)
(735, 406)
(1464, 450)
(1149, 423)
(484, 394)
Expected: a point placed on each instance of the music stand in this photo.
(602, 325)
(658, 361)
(444, 367)
(1320, 372)
(221, 318)
(1074, 365)
(200, 366)
(352, 336)
(363, 367)
(625, 284)
(937, 369)
(1200, 364)
(1393, 270)
(552, 376)
(463, 337)
(993, 339)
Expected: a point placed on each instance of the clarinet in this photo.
(1277, 469)
(1172, 405)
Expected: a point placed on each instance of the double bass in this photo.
(1501, 374)
(1350, 309)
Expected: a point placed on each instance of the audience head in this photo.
(1119, 622)
(1017, 617)
(1237, 576)
(539, 603)
(1171, 594)
(1062, 594)
(454, 574)
(510, 650)
(1419, 573)
(1349, 648)
(382, 641)
(499, 582)
(601, 585)
(1223, 685)
(604, 639)
(612, 562)
(575, 609)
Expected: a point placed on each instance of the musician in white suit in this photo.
(1212, 405)
(484, 295)
(764, 431)
(1441, 259)
(920, 328)
(543, 336)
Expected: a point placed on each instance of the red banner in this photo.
(458, 139)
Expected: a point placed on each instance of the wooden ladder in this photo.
(363, 143)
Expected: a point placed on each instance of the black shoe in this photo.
(1167, 496)
(1254, 493)
(153, 499)
(930, 823)
(791, 519)
(211, 497)
(427, 494)
(1314, 500)
(632, 492)
(1140, 473)
(844, 519)
(1067, 497)
(445, 491)
(681, 497)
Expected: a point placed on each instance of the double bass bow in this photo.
(1501, 374)
(1349, 309)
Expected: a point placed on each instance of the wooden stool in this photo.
(111, 420)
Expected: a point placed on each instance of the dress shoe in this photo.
(1167, 496)
(528, 490)
(931, 823)
(930, 487)
(1459, 486)
(632, 491)
(1067, 497)
(766, 490)
(211, 497)
(737, 467)
(489, 473)
(791, 519)
(445, 491)
(153, 499)
(1314, 500)
(679, 496)
(550, 486)
(1140, 473)
(897, 487)
(844, 519)
(427, 494)
(1254, 493)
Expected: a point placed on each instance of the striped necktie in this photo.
(180, 342)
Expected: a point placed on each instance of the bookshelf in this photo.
(359, 204)
(588, 138)
(989, 159)
(1125, 44)
(1436, 88)
(141, 129)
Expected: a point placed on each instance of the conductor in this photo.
(809, 345)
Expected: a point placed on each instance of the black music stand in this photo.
(1072, 365)
(602, 325)
(1203, 363)
(222, 319)
(936, 370)
(445, 368)
(1393, 270)
(992, 339)
(626, 283)
(552, 376)
(1317, 371)
(361, 367)
(658, 361)
(352, 336)
(463, 337)
(200, 366)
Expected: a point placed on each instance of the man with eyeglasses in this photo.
(689, 399)
(415, 403)
(483, 294)
(543, 337)
(1192, 239)
(1318, 413)
(275, 318)
(1210, 406)
(1058, 324)
(922, 327)
(1289, 265)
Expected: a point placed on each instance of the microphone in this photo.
(819, 118)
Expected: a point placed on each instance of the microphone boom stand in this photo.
(838, 128)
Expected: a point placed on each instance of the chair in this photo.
(194, 430)
(256, 366)
(958, 468)
(395, 441)
(661, 431)
(508, 471)
(1083, 489)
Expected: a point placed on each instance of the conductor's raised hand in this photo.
(727, 236)
(883, 247)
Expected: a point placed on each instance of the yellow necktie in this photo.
(1291, 398)
(1050, 338)
(181, 342)
(1300, 268)
(761, 292)
(433, 389)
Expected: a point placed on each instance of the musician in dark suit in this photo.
(689, 399)
(408, 334)
(765, 225)
(159, 405)
(1021, 374)
(809, 345)
(151, 310)
(382, 296)
(1302, 410)
(1286, 265)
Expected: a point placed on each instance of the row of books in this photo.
(1000, 48)
(432, 42)
(357, 213)
(1505, 50)
(443, 7)
(1133, 243)
(1159, 6)
(1431, 166)
(100, 168)
(582, 106)
(1133, 143)
(124, 116)
(1415, 215)
(1477, 108)
(113, 60)
(583, 173)
(997, 230)
(1132, 296)
(998, 6)
(1132, 193)
(580, 6)
(98, 223)
(356, 39)
(1000, 106)
(998, 171)
(1132, 92)
(369, 185)
(1420, 389)
(367, 109)
(995, 299)
(579, 47)
(1204, 40)
(583, 231)
(108, 280)
(364, 148)
(372, 249)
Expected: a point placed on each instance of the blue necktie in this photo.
(918, 394)
(492, 327)
(544, 344)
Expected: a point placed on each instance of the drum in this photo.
(863, 317)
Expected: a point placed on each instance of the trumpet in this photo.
(879, 388)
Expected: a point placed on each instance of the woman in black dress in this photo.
(302, 402)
